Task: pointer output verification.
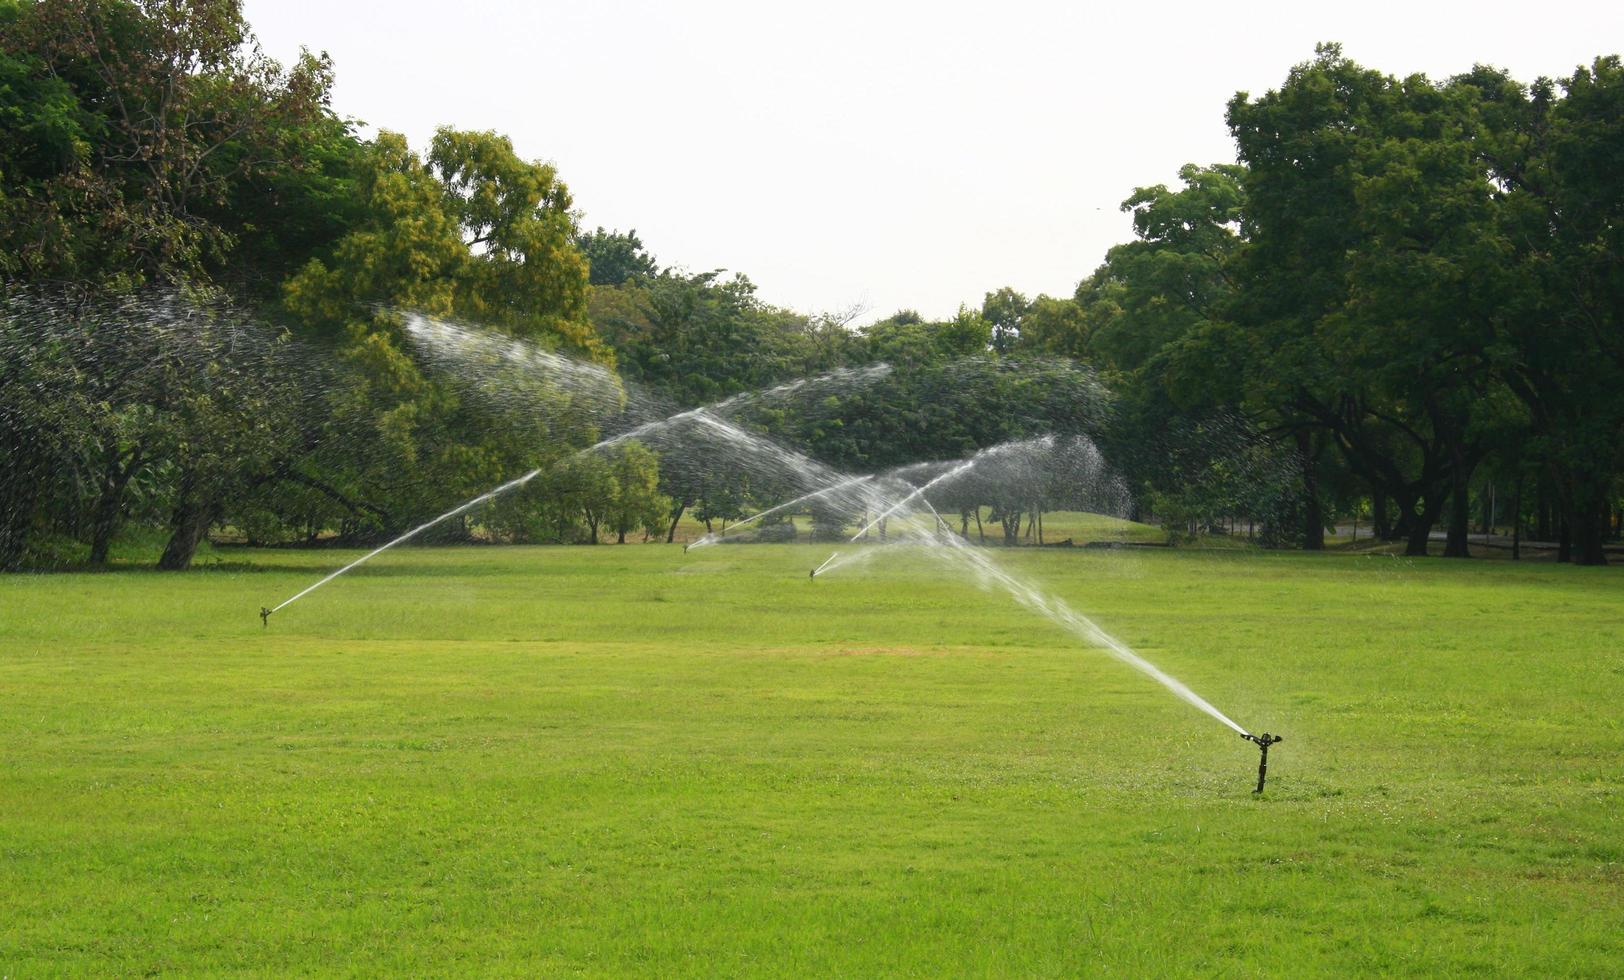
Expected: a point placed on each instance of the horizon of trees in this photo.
(1404, 299)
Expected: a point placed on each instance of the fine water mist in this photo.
(539, 371)
(519, 375)
(960, 557)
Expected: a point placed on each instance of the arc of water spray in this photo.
(1052, 607)
(713, 538)
(414, 532)
(463, 508)
(918, 491)
(1061, 613)
(831, 563)
(1024, 593)
(700, 414)
(941, 525)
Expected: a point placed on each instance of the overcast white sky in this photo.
(884, 154)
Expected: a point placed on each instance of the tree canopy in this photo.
(1403, 294)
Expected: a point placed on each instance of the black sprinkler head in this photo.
(1263, 742)
(264, 617)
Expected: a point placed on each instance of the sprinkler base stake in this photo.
(264, 617)
(1263, 742)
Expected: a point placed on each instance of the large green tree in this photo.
(1362, 193)
(699, 338)
(130, 128)
(616, 258)
(1555, 151)
(471, 231)
(149, 146)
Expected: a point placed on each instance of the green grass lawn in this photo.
(630, 760)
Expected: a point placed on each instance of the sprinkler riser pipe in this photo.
(1263, 742)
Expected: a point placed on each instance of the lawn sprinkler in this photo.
(1263, 742)
(264, 617)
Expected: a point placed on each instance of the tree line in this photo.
(1405, 291)
(1417, 284)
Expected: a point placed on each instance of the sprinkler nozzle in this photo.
(264, 617)
(1263, 742)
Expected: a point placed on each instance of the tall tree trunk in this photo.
(1421, 525)
(981, 533)
(1314, 525)
(104, 524)
(1379, 526)
(1564, 541)
(671, 533)
(188, 526)
(1516, 520)
(1460, 511)
(110, 504)
(1313, 513)
(620, 535)
(1409, 502)
(1594, 517)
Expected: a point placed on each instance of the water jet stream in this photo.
(952, 550)
(918, 491)
(825, 564)
(722, 535)
(1056, 609)
(414, 532)
(442, 337)
(701, 415)
(961, 555)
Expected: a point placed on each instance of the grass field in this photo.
(628, 760)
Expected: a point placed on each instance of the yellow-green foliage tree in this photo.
(471, 232)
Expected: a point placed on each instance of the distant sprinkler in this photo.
(1263, 742)
(264, 617)
(825, 564)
